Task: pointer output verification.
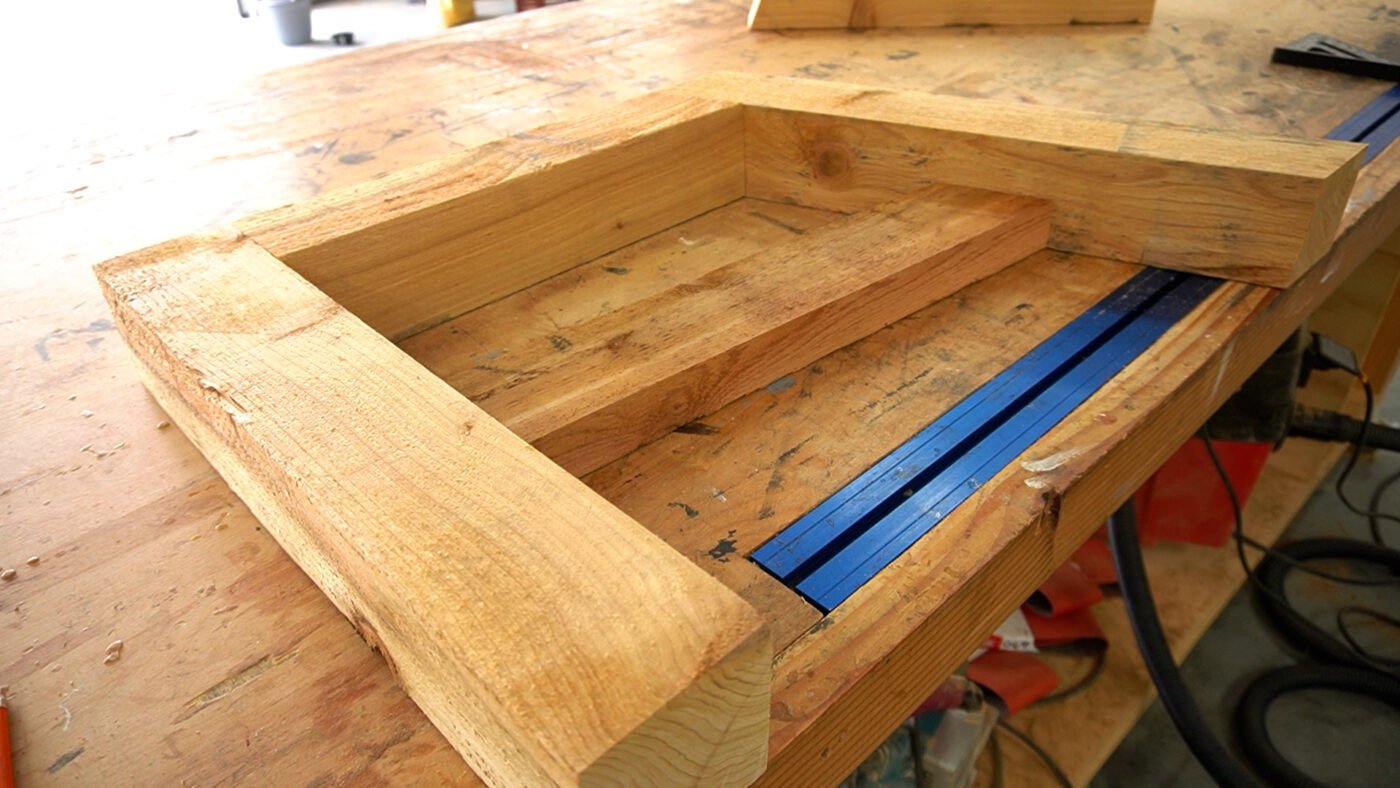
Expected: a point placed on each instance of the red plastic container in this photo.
(1185, 501)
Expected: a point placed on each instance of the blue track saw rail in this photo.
(1377, 124)
(834, 549)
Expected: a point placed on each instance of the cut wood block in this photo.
(777, 14)
(420, 246)
(552, 639)
(1251, 207)
(637, 373)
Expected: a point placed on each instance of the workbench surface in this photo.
(233, 666)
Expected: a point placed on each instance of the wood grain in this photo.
(218, 683)
(1249, 207)
(862, 14)
(452, 546)
(589, 395)
(418, 247)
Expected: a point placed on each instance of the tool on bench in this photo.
(1315, 50)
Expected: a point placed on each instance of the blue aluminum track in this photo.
(837, 547)
(1377, 124)
(833, 550)
(792, 555)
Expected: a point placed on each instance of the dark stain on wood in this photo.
(689, 510)
(64, 759)
(723, 548)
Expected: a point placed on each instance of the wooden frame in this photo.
(860, 14)
(552, 638)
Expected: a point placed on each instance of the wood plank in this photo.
(860, 14)
(588, 395)
(451, 545)
(415, 248)
(1255, 208)
(488, 336)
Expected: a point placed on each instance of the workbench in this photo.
(234, 668)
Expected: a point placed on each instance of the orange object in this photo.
(1068, 588)
(1017, 679)
(7, 761)
(1184, 501)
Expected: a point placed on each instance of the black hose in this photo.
(1147, 628)
(1251, 714)
(1326, 425)
(1294, 626)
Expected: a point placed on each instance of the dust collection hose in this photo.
(1254, 707)
(1147, 629)
(1251, 715)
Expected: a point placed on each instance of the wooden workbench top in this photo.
(233, 666)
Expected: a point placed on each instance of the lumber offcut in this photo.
(1251, 207)
(552, 639)
(634, 374)
(776, 14)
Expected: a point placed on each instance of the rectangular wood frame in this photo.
(550, 637)
(861, 14)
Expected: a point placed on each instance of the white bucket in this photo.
(291, 19)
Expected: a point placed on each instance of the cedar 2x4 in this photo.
(551, 638)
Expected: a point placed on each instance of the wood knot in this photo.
(830, 161)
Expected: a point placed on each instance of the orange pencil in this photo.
(7, 763)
